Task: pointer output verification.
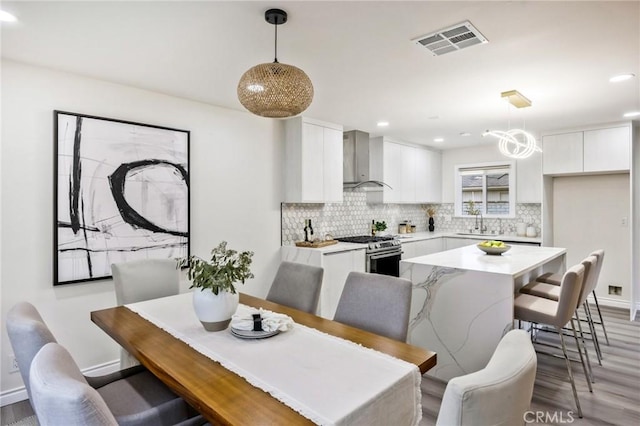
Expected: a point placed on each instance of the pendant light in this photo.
(274, 89)
(515, 143)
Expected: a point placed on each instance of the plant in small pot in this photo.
(431, 211)
(215, 298)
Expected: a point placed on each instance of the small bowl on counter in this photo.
(494, 248)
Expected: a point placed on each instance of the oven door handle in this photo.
(383, 255)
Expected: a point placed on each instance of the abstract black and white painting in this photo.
(121, 193)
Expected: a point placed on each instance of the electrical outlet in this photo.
(615, 290)
(13, 364)
(624, 222)
(447, 218)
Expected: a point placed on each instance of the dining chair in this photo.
(376, 303)
(555, 279)
(558, 314)
(551, 291)
(297, 285)
(62, 396)
(141, 280)
(500, 393)
(28, 333)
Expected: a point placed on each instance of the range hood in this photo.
(362, 162)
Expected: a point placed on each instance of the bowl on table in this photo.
(494, 249)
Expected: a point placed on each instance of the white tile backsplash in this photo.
(353, 217)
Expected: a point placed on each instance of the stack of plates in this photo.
(250, 334)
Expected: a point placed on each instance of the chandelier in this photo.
(275, 90)
(515, 143)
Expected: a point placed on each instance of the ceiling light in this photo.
(7, 17)
(465, 134)
(383, 123)
(621, 77)
(515, 143)
(516, 99)
(632, 114)
(438, 140)
(275, 90)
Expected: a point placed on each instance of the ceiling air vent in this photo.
(450, 39)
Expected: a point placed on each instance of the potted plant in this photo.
(431, 211)
(215, 298)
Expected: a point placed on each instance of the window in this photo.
(487, 189)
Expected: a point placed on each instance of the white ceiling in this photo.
(560, 54)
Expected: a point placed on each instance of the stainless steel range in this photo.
(383, 253)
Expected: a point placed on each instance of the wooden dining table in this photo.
(220, 395)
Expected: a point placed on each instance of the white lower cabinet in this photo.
(453, 243)
(421, 248)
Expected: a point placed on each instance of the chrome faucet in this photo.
(482, 227)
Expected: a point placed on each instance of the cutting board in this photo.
(315, 244)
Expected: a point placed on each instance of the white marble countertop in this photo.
(516, 261)
(419, 236)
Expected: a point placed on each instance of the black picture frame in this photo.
(121, 193)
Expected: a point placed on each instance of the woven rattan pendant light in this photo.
(274, 89)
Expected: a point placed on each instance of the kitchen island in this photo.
(462, 302)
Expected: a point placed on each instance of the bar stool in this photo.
(550, 291)
(556, 314)
(556, 278)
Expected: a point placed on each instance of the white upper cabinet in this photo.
(588, 151)
(313, 161)
(607, 149)
(413, 173)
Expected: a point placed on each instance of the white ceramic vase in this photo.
(214, 310)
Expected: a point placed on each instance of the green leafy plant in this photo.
(225, 268)
(380, 226)
(471, 209)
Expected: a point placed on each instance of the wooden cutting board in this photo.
(316, 244)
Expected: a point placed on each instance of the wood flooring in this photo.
(616, 392)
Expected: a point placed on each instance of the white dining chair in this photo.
(500, 393)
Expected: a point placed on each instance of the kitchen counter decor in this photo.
(315, 244)
(493, 247)
(215, 299)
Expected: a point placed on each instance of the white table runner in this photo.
(329, 380)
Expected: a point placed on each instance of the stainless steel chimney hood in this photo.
(362, 162)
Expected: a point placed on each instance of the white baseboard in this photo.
(614, 303)
(20, 394)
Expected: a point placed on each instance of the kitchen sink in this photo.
(475, 234)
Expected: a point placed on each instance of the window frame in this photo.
(484, 167)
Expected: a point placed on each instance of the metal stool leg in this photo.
(573, 384)
(586, 354)
(600, 315)
(592, 330)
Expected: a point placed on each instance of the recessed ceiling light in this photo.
(383, 123)
(438, 140)
(7, 17)
(465, 134)
(632, 114)
(621, 77)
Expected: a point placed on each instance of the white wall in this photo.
(588, 214)
(528, 171)
(236, 181)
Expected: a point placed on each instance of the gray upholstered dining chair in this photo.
(297, 285)
(557, 314)
(28, 334)
(62, 396)
(376, 303)
(500, 393)
(141, 280)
